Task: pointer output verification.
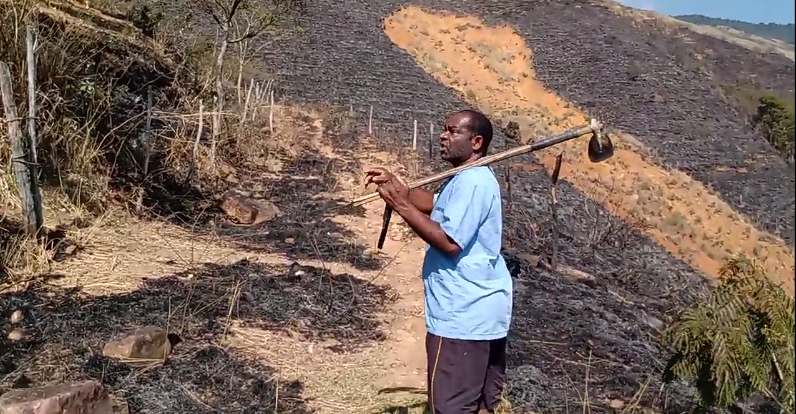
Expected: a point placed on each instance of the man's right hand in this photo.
(378, 176)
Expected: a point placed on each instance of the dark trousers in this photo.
(465, 376)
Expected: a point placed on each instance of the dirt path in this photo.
(366, 357)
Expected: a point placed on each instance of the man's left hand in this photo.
(395, 193)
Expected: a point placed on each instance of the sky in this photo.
(758, 11)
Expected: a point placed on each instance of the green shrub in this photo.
(775, 119)
(736, 342)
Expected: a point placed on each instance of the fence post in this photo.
(25, 180)
(271, 112)
(370, 121)
(431, 141)
(414, 137)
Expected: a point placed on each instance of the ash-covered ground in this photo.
(610, 66)
(65, 331)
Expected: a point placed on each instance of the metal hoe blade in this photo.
(600, 147)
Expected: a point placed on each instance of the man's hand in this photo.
(395, 193)
(378, 176)
(421, 199)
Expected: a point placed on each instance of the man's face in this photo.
(457, 142)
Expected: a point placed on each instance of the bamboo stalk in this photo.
(594, 126)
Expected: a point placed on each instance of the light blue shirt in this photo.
(468, 296)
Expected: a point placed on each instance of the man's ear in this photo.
(478, 143)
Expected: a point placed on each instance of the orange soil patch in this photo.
(492, 67)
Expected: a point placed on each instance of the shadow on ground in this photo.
(302, 183)
(311, 205)
(66, 329)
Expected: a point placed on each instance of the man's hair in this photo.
(480, 125)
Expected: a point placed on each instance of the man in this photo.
(468, 289)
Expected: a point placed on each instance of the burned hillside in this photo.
(691, 184)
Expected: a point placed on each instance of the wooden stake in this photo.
(507, 177)
(31, 63)
(247, 102)
(414, 137)
(216, 132)
(554, 209)
(431, 141)
(26, 182)
(195, 152)
(271, 113)
(33, 141)
(148, 130)
(370, 121)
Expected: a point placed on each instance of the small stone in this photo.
(17, 316)
(246, 210)
(120, 406)
(531, 259)
(70, 250)
(88, 397)
(651, 321)
(149, 343)
(16, 334)
(290, 240)
(371, 252)
(578, 276)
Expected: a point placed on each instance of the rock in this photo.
(512, 131)
(120, 406)
(651, 321)
(149, 343)
(577, 276)
(290, 240)
(225, 168)
(532, 260)
(246, 210)
(88, 397)
(17, 316)
(16, 334)
(371, 253)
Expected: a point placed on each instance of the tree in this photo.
(738, 341)
(775, 119)
(249, 19)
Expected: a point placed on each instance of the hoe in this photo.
(600, 149)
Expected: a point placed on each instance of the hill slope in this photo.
(691, 184)
(782, 32)
(659, 83)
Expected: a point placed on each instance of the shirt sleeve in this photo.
(466, 209)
